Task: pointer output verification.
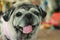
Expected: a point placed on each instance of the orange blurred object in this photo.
(45, 25)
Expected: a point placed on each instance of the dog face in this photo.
(26, 17)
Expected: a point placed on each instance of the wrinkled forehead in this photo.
(22, 10)
(25, 8)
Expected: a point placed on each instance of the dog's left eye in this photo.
(18, 14)
(36, 13)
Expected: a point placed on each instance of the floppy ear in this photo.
(42, 12)
(7, 15)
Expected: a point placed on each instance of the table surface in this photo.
(49, 35)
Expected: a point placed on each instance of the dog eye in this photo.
(36, 13)
(18, 14)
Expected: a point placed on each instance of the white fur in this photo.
(7, 30)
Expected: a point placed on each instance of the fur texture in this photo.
(19, 17)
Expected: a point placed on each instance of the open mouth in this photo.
(26, 29)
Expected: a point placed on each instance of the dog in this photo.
(22, 21)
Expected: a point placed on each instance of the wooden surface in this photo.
(49, 35)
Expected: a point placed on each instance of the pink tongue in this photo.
(27, 29)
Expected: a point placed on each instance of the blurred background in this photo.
(52, 19)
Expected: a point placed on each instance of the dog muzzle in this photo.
(26, 29)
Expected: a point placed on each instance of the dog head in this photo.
(25, 17)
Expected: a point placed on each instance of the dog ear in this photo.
(42, 12)
(7, 14)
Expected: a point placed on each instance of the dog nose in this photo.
(29, 19)
(28, 15)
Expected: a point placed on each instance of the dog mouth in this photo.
(26, 29)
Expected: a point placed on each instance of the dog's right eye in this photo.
(18, 14)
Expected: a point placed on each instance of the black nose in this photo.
(29, 18)
(28, 15)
